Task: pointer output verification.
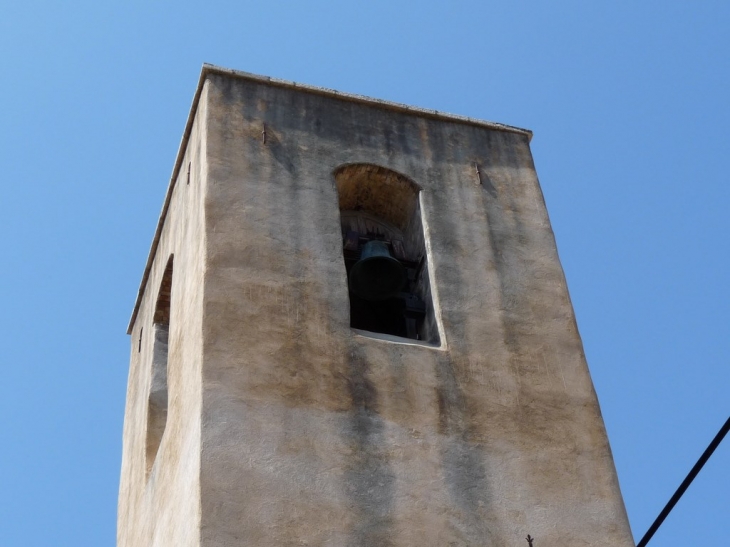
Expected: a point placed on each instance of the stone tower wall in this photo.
(159, 499)
(313, 434)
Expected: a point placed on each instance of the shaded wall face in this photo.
(159, 488)
(314, 434)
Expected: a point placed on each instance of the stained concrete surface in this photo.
(286, 427)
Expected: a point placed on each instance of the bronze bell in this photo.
(377, 275)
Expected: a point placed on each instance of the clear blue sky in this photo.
(629, 105)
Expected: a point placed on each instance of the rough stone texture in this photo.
(285, 426)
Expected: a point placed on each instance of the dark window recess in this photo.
(384, 250)
(383, 291)
(157, 402)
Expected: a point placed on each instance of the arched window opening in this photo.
(157, 405)
(385, 253)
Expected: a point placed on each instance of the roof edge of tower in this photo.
(353, 97)
(362, 99)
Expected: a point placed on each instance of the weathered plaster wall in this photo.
(315, 435)
(163, 509)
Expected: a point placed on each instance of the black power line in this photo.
(685, 484)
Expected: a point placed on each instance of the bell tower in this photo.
(353, 330)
